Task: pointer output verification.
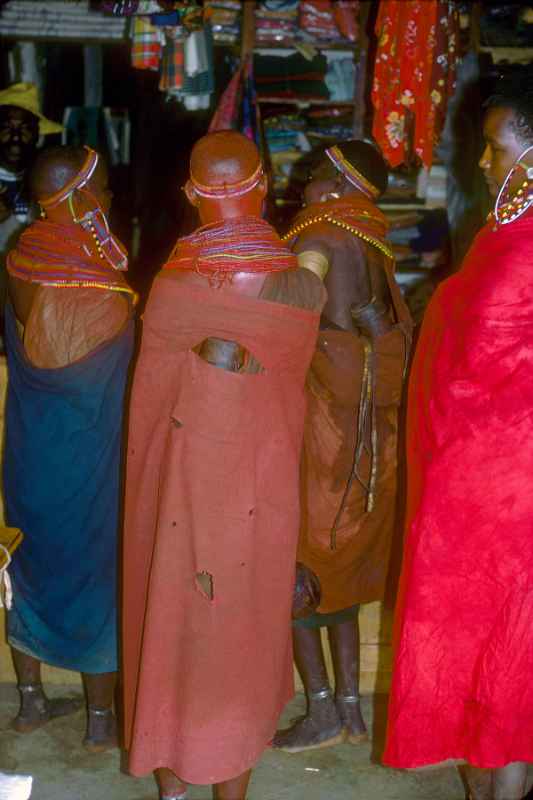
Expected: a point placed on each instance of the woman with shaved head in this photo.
(69, 340)
(211, 516)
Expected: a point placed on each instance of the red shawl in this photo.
(464, 640)
(62, 255)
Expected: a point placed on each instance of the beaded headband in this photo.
(229, 189)
(351, 173)
(77, 182)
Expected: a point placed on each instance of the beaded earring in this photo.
(506, 208)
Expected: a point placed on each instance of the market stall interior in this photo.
(141, 80)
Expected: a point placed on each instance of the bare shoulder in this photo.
(66, 324)
(299, 288)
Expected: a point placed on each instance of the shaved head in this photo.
(54, 168)
(223, 158)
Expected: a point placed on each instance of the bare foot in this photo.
(349, 710)
(36, 709)
(321, 727)
(101, 730)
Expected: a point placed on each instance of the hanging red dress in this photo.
(463, 660)
(414, 74)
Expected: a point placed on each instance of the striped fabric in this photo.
(173, 65)
(146, 49)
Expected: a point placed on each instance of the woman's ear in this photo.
(192, 197)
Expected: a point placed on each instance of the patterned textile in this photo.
(226, 116)
(146, 49)
(62, 255)
(172, 66)
(247, 243)
(414, 74)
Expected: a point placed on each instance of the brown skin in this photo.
(22, 293)
(503, 146)
(356, 275)
(19, 132)
(36, 709)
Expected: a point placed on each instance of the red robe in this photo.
(463, 662)
(212, 486)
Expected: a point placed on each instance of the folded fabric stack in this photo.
(317, 20)
(286, 142)
(276, 21)
(225, 19)
(324, 126)
(291, 76)
(340, 77)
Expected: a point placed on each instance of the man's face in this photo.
(19, 132)
(503, 146)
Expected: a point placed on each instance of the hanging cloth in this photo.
(414, 74)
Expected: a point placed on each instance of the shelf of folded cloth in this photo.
(321, 77)
(291, 136)
(315, 21)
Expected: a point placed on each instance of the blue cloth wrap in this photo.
(62, 489)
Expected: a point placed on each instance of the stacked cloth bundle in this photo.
(286, 141)
(291, 76)
(330, 21)
(225, 19)
(276, 21)
(325, 126)
(414, 75)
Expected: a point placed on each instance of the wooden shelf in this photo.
(304, 103)
(513, 55)
(296, 44)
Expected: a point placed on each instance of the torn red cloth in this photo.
(211, 503)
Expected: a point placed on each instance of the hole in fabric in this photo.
(174, 524)
(176, 422)
(204, 582)
(251, 512)
(224, 354)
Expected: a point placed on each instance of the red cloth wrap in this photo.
(212, 485)
(463, 633)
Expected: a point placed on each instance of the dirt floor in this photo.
(62, 770)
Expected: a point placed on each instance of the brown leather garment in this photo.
(356, 570)
(62, 325)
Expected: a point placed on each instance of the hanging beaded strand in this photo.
(508, 209)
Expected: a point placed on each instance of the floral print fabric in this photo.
(414, 75)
